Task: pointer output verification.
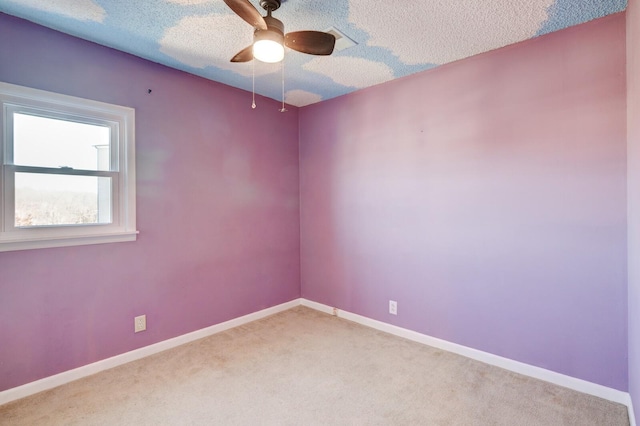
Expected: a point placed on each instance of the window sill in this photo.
(40, 243)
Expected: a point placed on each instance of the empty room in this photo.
(244, 212)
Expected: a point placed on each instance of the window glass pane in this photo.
(49, 142)
(45, 200)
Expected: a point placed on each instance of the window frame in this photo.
(121, 121)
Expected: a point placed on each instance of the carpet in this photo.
(303, 367)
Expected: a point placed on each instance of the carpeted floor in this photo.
(302, 367)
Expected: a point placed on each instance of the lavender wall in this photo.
(218, 213)
(487, 197)
(633, 161)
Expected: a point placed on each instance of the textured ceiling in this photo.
(393, 39)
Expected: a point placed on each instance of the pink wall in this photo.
(633, 161)
(218, 211)
(487, 197)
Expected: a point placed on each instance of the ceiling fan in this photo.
(269, 38)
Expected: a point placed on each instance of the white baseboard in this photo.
(488, 358)
(96, 367)
(319, 307)
(508, 364)
(632, 414)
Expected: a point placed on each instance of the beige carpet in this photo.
(302, 367)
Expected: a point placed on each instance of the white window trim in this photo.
(15, 98)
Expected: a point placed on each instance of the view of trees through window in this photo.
(43, 208)
(58, 200)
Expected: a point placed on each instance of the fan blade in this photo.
(245, 55)
(311, 42)
(246, 11)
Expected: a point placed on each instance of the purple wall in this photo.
(633, 161)
(218, 213)
(487, 197)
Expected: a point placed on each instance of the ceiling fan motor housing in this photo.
(270, 5)
(274, 31)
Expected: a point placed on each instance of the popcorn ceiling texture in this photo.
(201, 36)
(82, 10)
(352, 72)
(441, 32)
(295, 97)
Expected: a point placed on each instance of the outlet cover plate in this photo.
(139, 323)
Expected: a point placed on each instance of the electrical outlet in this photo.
(393, 307)
(140, 323)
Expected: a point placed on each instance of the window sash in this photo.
(9, 208)
(75, 117)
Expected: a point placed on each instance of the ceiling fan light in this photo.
(268, 46)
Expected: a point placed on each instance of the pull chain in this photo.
(253, 88)
(283, 109)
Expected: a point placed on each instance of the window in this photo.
(68, 170)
